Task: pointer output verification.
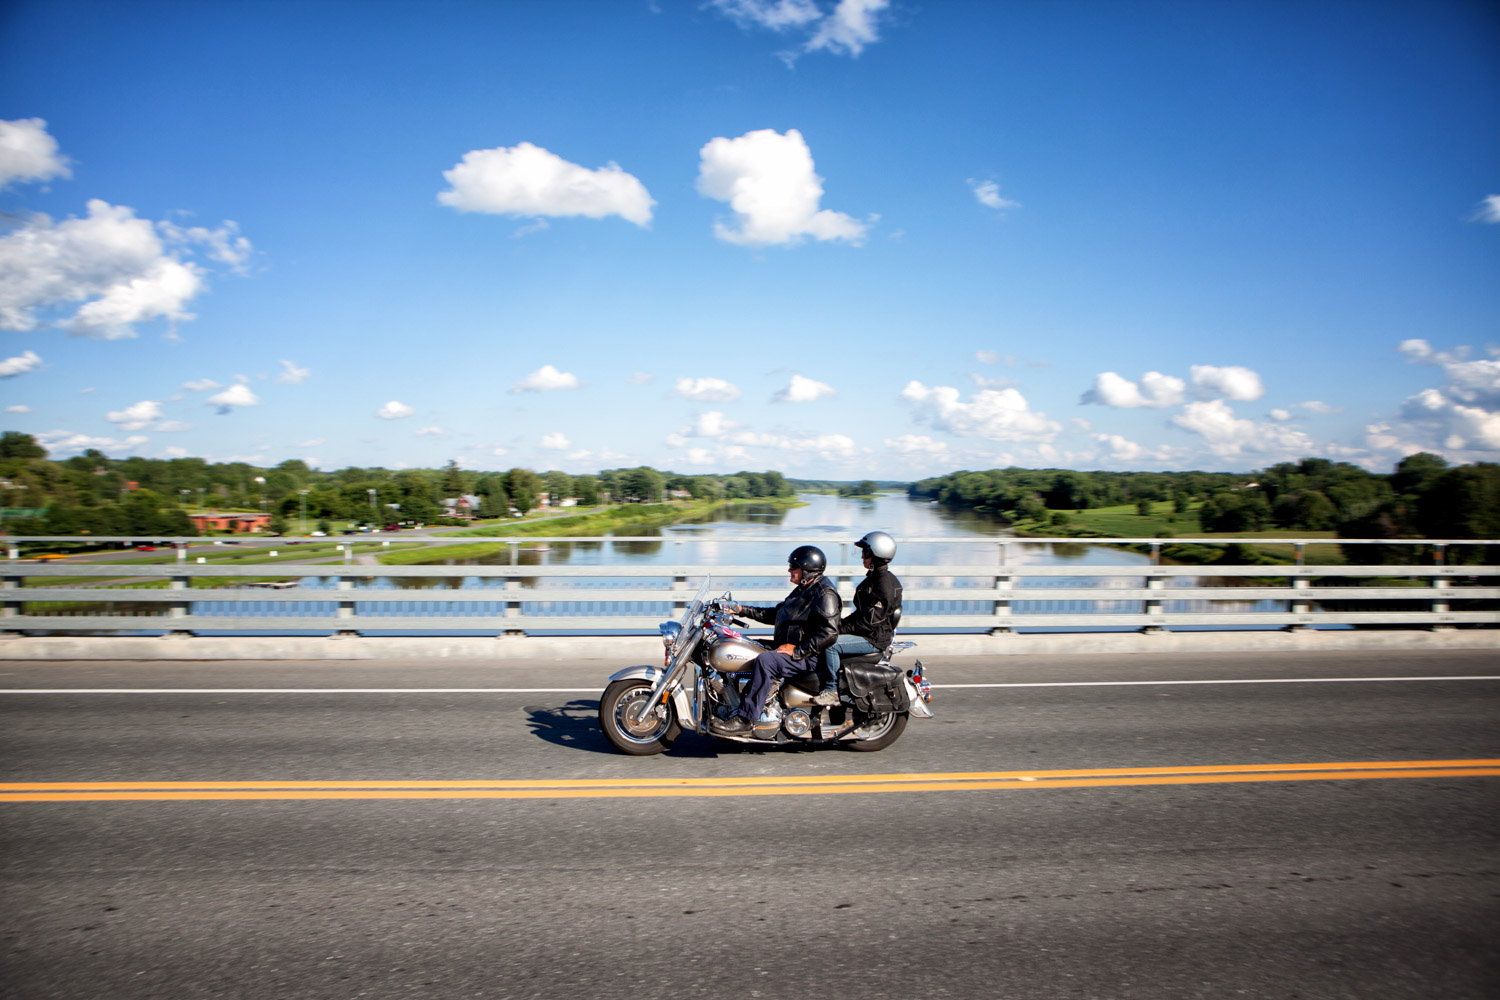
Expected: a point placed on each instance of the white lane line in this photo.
(596, 690)
(1260, 680)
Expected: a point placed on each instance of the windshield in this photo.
(690, 615)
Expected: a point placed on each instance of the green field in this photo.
(1125, 522)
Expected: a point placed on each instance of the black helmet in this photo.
(879, 545)
(809, 559)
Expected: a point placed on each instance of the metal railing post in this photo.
(1440, 604)
(512, 608)
(1299, 604)
(346, 611)
(10, 609)
(180, 609)
(1003, 581)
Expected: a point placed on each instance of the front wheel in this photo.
(617, 708)
(877, 734)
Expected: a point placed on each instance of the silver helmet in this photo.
(879, 545)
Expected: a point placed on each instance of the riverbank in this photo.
(625, 519)
(1175, 530)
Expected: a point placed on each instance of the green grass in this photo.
(600, 522)
(1125, 522)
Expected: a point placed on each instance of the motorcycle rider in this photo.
(877, 605)
(807, 623)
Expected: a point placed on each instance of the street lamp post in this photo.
(302, 496)
(371, 491)
(260, 487)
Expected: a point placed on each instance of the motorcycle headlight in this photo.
(669, 633)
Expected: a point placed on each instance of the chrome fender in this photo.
(919, 708)
(680, 701)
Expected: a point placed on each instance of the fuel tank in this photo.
(732, 652)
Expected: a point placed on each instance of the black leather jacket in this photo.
(808, 618)
(877, 603)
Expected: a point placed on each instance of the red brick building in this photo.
(238, 523)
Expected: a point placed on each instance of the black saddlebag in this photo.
(875, 688)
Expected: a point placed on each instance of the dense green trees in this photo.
(1421, 498)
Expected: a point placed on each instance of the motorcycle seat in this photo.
(861, 660)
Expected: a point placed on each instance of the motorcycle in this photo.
(706, 669)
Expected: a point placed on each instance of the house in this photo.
(237, 523)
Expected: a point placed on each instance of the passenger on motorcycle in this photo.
(877, 608)
(807, 623)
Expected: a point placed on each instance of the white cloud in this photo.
(546, 379)
(111, 262)
(845, 30)
(1155, 390)
(173, 451)
(918, 444)
(996, 415)
(433, 432)
(1120, 448)
(527, 180)
(310, 443)
(987, 357)
(1469, 381)
(556, 441)
(1281, 415)
(28, 153)
(1489, 210)
(986, 382)
(1227, 435)
(1314, 406)
(707, 390)
(641, 378)
(777, 15)
(291, 374)
(27, 361)
(224, 244)
(18, 408)
(235, 395)
(804, 390)
(1232, 381)
(769, 181)
(173, 426)
(394, 410)
(1460, 421)
(987, 193)
(498, 452)
(60, 443)
(135, 417)
(201, 385)
(849, 28)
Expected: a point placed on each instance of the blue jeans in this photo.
(765, 668)
(844, 645)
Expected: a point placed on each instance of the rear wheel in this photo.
(617, 708)
(878, 733)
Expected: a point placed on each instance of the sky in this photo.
(844, 239)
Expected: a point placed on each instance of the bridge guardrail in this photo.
(938, 597)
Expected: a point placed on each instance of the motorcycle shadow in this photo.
(575, 725)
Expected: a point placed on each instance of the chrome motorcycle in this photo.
(706, 669)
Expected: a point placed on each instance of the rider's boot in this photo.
(735, 725)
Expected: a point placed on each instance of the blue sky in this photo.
(844, 240)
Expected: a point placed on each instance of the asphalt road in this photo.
(1347, 887)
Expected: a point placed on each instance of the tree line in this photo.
(1422, 498)
(95, 494)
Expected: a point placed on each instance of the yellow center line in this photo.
(101, 791)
